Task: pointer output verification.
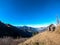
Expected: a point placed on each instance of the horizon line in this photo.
(35, 26)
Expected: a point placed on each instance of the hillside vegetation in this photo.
(45, 38)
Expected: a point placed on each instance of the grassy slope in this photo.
(44, 38)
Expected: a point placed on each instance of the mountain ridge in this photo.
(10, 30)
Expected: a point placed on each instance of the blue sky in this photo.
(29, 12)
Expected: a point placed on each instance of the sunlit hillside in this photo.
(45, 38)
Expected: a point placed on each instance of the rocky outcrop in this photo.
(51, 27)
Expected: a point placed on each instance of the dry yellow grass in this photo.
(44, 38)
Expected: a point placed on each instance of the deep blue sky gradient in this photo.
(32, 12)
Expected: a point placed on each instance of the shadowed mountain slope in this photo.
(12, 31)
